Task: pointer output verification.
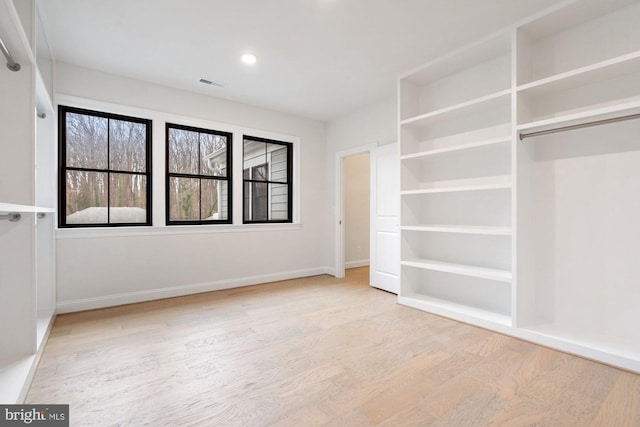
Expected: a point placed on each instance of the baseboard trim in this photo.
(177, 291)
(356, 264)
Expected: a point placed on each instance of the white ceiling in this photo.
(316, 58)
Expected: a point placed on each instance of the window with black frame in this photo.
(198, 186)
(267, 172)
(105, 169)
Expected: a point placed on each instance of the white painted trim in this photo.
(339, 203)
(356, 264)
(159, 119)
(99, 232)
(329, 271)
(176, 291)
(373, 220)
(79, 102)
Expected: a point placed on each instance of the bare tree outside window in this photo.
(198, 175)
(105, 176)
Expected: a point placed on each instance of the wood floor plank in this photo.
(317, 351)
(621, 407)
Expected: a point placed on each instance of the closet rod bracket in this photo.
(11, 63)
(12, 217)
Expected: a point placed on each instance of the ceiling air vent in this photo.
(212, 83)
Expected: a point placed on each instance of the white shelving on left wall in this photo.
(12, 207)
(27, 188)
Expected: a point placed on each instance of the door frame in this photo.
(339, 267)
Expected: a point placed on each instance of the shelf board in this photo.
(601, 71)
(455, 311)
(483, 103)
(603, 113)
(461, 229)
(461, 269)
(492, 46)
(476, 184)
(462, 147)
(567, 14)
(11, 207)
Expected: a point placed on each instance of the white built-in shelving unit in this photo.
(534, 236)
(27, 188)
(455, 132)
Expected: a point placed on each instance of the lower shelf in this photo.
(463, 313)
(465, 270)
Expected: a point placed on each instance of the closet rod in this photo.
(12, 217)
(580, 126)
(11, 64)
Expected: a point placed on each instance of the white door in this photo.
(385, 219)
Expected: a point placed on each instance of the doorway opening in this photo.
(353, 209)
(357, 170)
(384, 217)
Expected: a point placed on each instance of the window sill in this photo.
(108, 232)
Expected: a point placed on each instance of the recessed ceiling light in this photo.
(249, 58)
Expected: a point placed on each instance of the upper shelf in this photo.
(483, 103)
(603, 113)
(11, 207)
(456, 148)
(568, 14)
(492, 46)
(601, 71)
(499, 182)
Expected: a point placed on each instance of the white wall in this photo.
(373, 124)
(105, 267)
(356, 195)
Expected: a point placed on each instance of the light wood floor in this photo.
(314, 352)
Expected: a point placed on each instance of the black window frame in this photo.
(228, 178)
(289, 181)
(63, 168)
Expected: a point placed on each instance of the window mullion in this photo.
(268, 179)
(108, 172)
(200, 172)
